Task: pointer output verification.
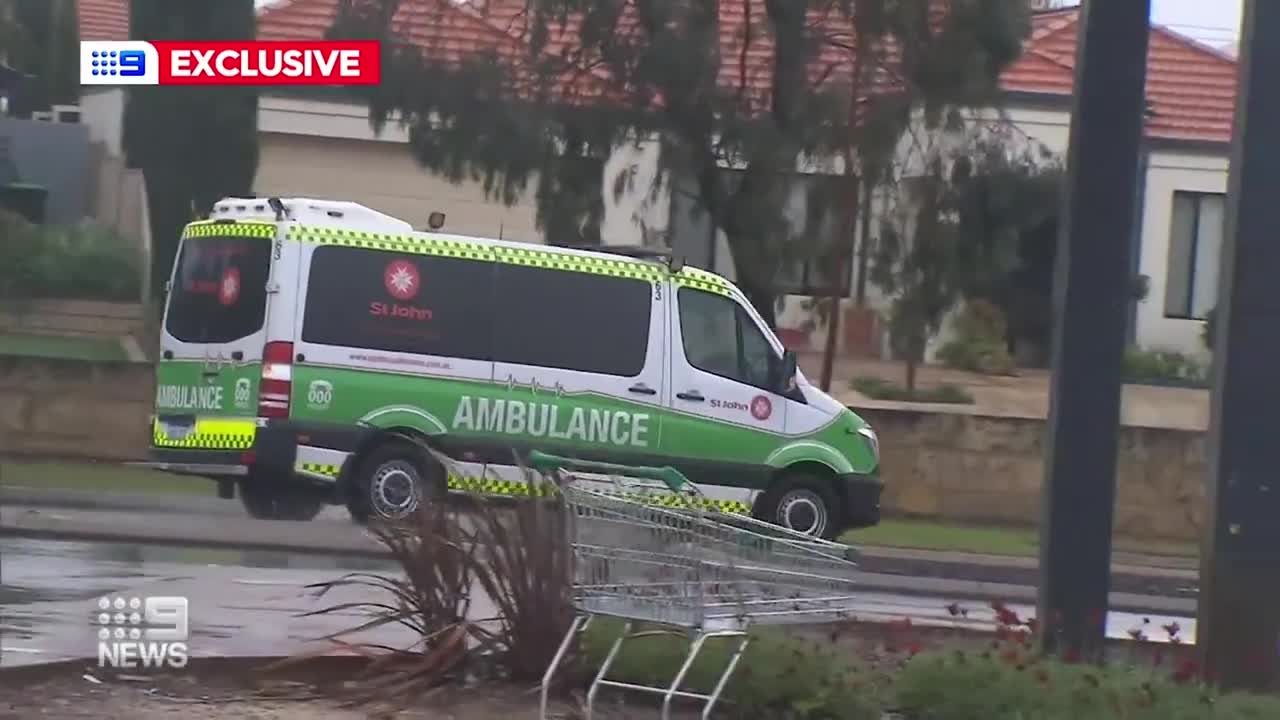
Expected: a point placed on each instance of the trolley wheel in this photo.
(803, 503)
(392, 481)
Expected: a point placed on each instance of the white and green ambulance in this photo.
(309, 345)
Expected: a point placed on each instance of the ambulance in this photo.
(310, 347)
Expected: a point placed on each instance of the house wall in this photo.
(102, 111)
(55, 156)
(1167, 173)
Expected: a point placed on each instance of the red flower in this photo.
(1004, 615)
(1187, 671)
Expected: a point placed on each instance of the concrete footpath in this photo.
(1140, 584)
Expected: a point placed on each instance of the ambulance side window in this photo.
(721, 338)
(399, 302)
(571, 320)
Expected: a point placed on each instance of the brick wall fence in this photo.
(943, 465)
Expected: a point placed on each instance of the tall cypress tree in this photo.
(195, 144)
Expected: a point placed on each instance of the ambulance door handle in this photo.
(642, 389)
(167, 354)
(237, 355)
(693, 395)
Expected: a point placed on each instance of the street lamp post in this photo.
(1239, 630)
(1092, 292)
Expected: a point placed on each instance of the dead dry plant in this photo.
(516, 556)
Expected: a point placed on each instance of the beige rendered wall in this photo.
(385, 177)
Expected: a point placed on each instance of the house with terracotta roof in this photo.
(324, 146)
(1191, 91)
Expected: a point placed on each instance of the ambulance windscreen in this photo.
(219, 292)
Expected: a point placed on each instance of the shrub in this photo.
(516, 555)
(780, 676)
(1159, 367)
(85, 261)
(961, 685)
(880, 389)
(980, 341)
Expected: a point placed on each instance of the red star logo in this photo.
(402, 280)
(229, 288)
(761, 407)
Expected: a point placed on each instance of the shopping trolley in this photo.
(667, 558)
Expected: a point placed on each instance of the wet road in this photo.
(241, 602)
(249, 602)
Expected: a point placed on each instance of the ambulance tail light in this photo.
(277, 380)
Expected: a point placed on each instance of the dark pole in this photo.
(1091, 299)
(1239, 631)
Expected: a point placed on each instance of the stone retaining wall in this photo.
(76, 318)
(968, 467)
(943, 465)
(74, 409)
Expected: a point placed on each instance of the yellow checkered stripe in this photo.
(495, 486)
(419, 245)
(536, 257)
(532, 256)
(208, 228)
(705, 282)
(209, 434)
(319, 469)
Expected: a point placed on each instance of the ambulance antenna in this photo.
(277, 207)
(499, 231)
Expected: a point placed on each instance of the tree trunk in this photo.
(864, 243)
(839, 288)
(763, 299)
(911, 375)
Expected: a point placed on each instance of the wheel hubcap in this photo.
(803, 512)
(394, 490)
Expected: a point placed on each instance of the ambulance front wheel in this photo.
(266, 501)
(392, 481)
(803, 504)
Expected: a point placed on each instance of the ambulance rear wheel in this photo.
(268, 502)
(802, 503)
(392, 482)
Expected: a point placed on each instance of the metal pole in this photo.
(1239, 630)
(1091, 296)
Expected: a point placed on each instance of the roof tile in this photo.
(1191, 88)
(103, 19)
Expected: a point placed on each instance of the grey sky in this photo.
(1216, 22)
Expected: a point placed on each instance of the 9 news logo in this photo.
(119, 63)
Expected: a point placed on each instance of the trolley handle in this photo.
(673, 478)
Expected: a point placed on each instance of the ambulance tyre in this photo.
(392, 481)
(801, 502)
(266, 501)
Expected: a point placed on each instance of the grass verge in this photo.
(63, 348)
(987, 540)
(881, 389)
(98, 477)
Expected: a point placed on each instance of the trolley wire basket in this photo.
(673, 562)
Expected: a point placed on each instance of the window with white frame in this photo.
(1195, 246)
